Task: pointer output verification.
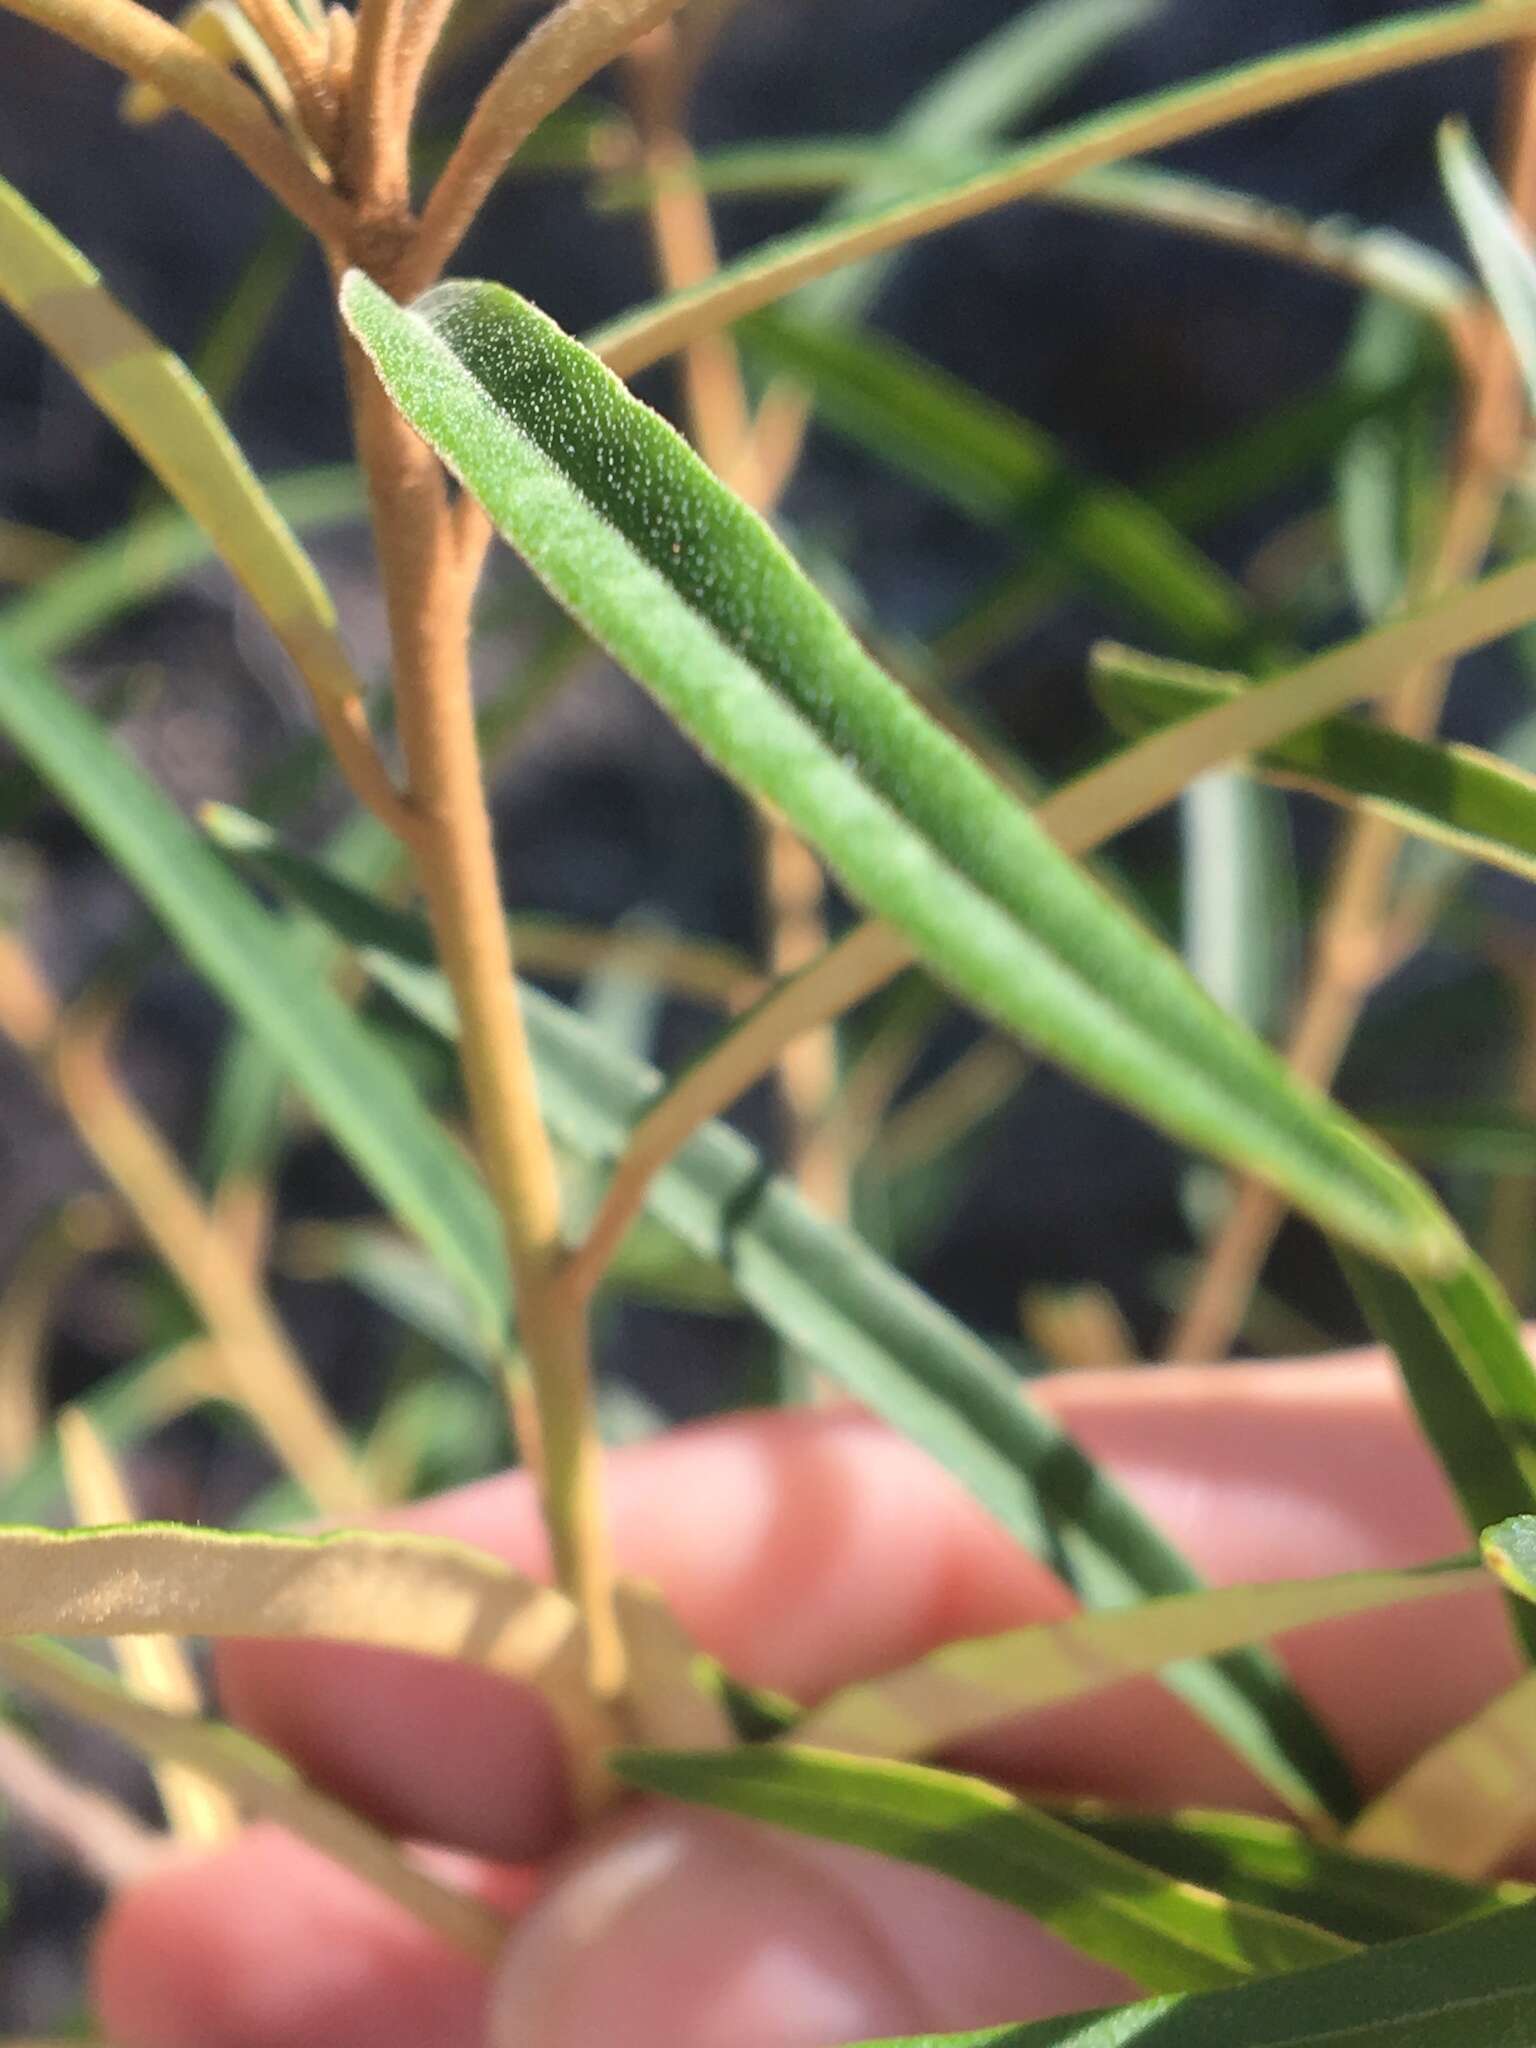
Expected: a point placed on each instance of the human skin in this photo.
(806, 1550)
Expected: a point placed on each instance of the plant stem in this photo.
(1355, 945)
(554, 60)
(429, 592)
(143, 46)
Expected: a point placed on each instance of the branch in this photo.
(378, 134)
(139, 43)
(554, 60)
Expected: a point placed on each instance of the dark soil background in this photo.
(1132, 346)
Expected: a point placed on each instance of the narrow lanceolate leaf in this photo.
(690, 591)
(998, 85)
(964, 1688)
(1469, 1802)
(152, 398)
(835, 1302)
(1162, 1932)
(1267, 1863)
(1500, 244)
(1455, 796)
(769, 271)
(1509, 1551)
(1004, 470)
(419, 1594)
(1473, 1986)
(260, 1782)
(356, 1092)
(1459, 1350)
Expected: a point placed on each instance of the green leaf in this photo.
(355, 1091)
(999, 84)
(1473, 1985)
(1468, 1375)
(638, 339)
(1162, 1932)
(1386, 480)
(1451, 795)
(153, 399)
(866, 1327)
(1004, 470)
(1501, 246)
(692, 593)
(1509, 1551)
(1267, 1863)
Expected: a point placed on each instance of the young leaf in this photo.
(356, 1091)
(692, 593)
(1474, 1985)
(1267, 1863)
(964, 1688)
(835, 1302)
(1163, 1933)
(1452, 795)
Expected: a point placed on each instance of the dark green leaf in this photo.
(1161, 1932)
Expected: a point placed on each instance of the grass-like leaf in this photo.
(964, 1688)
(1267, 1863)
(1474, 1985)
(1452, 795)
(777, 267)
(356, 1091)
(1001, 468)
(692, 593)
(867, 1328)
(1500, 244)
(1469, 1802)
(1163, 1933)
(150, 395)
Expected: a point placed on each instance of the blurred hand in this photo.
(807, 1550)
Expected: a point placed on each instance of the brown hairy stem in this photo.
(429, 592)
(301, 58)
(1357, 941)
(144, 47)
(554, 60)
(378, 138)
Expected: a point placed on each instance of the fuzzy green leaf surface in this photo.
(692, 593)
(1162, 1932)
(834, 1301)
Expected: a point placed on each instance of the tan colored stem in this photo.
(1356, 944)
(429, 597)
(260, 1367)
(140, 44)
(301, 57)
(554, 60)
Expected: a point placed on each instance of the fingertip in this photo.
(687, 1928)
(268, 1944)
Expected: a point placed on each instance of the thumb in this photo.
(681, 1930)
